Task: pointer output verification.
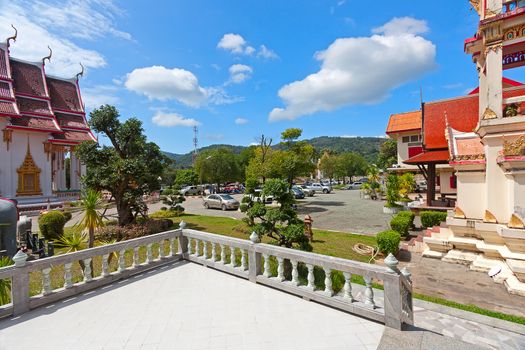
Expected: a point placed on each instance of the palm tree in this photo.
(90, 201)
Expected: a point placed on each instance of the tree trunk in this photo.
(91, 241)
(125, 217)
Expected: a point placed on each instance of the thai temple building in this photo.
(42, 119)
(480, 140)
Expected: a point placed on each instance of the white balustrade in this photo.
(121, 261)
(162, 254)
(46, 281)
(280, 269)
(189, 245)
(266, 272)
(149, 253)
(223, 254)
(311, 277)
(197, 250)
(87, 270)
(347, 289)
(328, 282)
(213, 252)
(295, 273)
(205, 250)
(136, 261)
(232, 256)
(173, 248)
(68, 283)
(369, 293)
(105, 265)
(244, 262)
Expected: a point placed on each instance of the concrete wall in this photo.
(472, 196)
(402, 147)
(444, 179)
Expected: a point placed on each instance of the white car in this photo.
(317, 187)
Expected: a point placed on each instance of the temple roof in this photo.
(408, 121)
(34, 124)
(71, 121)
(73, 137)
(64, 95)
(31, 106)
(428, 156)
(28, 78)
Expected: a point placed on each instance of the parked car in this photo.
(317, 187)
(220, 201)
(257, 196)
(355, 185)
(192, 191)
(421, 186)
(308, 192)
(298, 193)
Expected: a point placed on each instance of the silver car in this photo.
(220, 201)
(308, 192)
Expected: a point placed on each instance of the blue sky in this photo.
(241, 68)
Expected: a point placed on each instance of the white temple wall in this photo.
(472, 196)
(516, 184)
(18, 149)
(5, 165)
(497, 188)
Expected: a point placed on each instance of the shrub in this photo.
(163, 214)
(409, 214)
(432, 218)
(119, 233)
(388, 241)
(67, 215)
(401, 224)
(392, 191)
(52, 224)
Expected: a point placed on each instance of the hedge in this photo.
(401, 224)
(52, 224)
(432, 218)
(388, 241)
(409, 214)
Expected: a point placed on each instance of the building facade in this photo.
(42, 119)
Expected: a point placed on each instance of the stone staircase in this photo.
(481, 246)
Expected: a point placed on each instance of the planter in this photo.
(391, 210)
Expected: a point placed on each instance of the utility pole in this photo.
(195, 144)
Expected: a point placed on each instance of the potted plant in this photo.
(392, 195)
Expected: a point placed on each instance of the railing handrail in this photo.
(216, 238)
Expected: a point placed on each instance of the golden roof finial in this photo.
(12, 37)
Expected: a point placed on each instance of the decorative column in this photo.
(74, 171)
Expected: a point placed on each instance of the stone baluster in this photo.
(280, 269)
(232, 256)
(311, 277)
(136, 262)
(223, 254)
(172, 247)
(244, 263)
(105, 270)
(46, 281)
(149, 253)
(189, 245)
(369, 293)
(213, 252)
(205, 250)
(295, 273)
(197, 247)
(266, 272)
(162, 254)
(121, 261)
(347, 289)
(87, 270)
(328, 282)
(68, 283)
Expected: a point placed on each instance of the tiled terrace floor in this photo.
(187, 306)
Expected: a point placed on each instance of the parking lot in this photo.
(338, 211)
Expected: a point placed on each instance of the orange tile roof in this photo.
(404, 122)
(437, 157)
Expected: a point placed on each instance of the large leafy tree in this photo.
(387, 154)
(350, 164)
(328, 165)
(298, 159)
(185, 177)
(217, 166)
(129, 169)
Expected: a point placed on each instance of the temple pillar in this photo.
(496, 189)
(431, 183)
(74, 172)
(494, 89)
(61, 171)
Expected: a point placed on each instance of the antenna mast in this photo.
(195, 143)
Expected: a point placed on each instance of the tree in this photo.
(173, 200)
(350, 164)
(291, 135)
(91, 220)
(387, 154)
(407, 184)
(185, 177)
(217, 166)
(392, 191)
(328, 165)
(280, 223)
(129, 169)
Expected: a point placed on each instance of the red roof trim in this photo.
(68, 111)
(402, 131)
(36, 97)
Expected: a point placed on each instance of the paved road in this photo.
(338, 211)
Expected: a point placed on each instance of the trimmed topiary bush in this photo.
(67, 215)
(432, 218)
(51, 225)
(410, 215)
(388, 241)
(401, 224)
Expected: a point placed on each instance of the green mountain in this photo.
(368, 147)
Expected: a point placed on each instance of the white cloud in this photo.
(402, 25)
(35, 34)
(94, 97)
(236, 44)
(241, 121)
(360, 70)
(161, 83)
(240, 73)
(265, 52)
(173, 119)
